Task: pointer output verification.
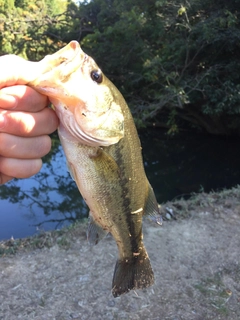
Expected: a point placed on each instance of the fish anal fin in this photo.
(131, 274)
(151, 206)
(95, 232)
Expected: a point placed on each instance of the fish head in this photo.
(87, 103)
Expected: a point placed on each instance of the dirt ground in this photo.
(195, 256)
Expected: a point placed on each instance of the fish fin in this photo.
(106, 166)
(151, 207)
(134, 273)
(70, 170)
(95, 232)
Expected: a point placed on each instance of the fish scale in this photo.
(104, 156)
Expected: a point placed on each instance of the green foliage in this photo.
(169, 55)
(30, 28)
(172, 60)
(6, 5)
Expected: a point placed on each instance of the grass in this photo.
(62, 238)
(183, 209)
(215, 292)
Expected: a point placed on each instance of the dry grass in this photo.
(195, 258)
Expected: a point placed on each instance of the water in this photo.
(190, 163)
(46, 201)
(175, 167)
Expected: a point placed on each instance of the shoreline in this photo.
(171, 210)
(194, 255)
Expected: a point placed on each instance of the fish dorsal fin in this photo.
(95, 232)
(151, 206)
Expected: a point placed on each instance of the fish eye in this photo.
(96, 76)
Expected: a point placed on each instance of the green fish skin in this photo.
(104, 157)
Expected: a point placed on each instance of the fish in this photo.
(104, 157)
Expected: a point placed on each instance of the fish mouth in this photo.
(54, 70)
(63, 77)
(102, 136)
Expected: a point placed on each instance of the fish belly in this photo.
(100, 182)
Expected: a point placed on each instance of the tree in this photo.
(169, 58)
(30, 28)
(175, 62)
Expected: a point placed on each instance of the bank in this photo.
(195, 257)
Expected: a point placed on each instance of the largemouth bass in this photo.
(104, 157)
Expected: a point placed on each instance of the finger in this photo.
(16, 70)
(28, 124)
(4, 178)
(22, 98)
(24, 148)
(19, 168)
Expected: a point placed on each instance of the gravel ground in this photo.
(195, 257)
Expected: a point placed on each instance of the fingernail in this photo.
(2, 121)
(7, 101)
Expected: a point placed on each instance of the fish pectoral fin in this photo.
(71, 170)
(106, 166)
(132, 273)
(95, 232)
(151, 206)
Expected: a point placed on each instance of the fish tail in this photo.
(134, 273)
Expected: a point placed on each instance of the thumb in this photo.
(17, 71)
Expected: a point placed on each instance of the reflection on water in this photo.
(190, 163)
(46, 201)
(175, 166)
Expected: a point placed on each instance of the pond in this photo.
(176, 167)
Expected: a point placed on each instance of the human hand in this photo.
(25, 123)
